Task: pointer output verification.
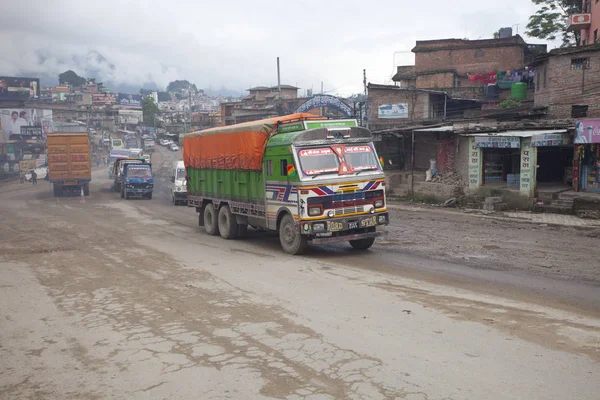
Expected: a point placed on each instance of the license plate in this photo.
(335, 226)
(352, 224)
(368, 222)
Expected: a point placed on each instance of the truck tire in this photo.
(211, 224)
(292, 242)
(86, 189)
(227, 224)
(149, 196)
(57, 191)
(362, 244)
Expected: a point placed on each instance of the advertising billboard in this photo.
(393, 111)
(587, 131)
(130, 100)
(12, 88)
(130, 117)
(25, 124)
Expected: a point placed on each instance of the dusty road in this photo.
(130, 299)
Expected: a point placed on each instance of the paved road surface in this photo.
(130, 299)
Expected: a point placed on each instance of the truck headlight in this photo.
(319, 227)
(314, 211)
(331, 214)
(379, 203)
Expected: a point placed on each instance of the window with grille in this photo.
(580, 63)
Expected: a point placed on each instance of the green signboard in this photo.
(340, 123)
(293, 127)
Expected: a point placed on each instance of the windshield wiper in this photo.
(323, 173)
(366, 169)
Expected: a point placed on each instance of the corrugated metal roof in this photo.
(517, 133)
(448, 128)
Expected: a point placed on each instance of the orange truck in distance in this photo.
(69, 162)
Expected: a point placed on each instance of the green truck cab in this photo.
(311, 180)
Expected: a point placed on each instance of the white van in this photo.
(178, 183)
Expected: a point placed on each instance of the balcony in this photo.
(579, 21)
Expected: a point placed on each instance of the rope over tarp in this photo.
(234, 147)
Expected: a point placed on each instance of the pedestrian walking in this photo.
(33, 177)
(22, 177)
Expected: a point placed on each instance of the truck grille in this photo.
(348, 202)
(349, 210)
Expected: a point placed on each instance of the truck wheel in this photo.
(227, 224)
(362, 244)
(292, 242)
(86, 189)
(210, 220)
(149, 196)
(57, 191)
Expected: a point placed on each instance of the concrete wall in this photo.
(558, 86)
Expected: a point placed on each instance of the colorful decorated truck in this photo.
(308, 178)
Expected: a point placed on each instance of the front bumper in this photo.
(343, 227)
(138, 191)
(345, 238)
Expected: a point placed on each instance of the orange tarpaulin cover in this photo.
(240, 146)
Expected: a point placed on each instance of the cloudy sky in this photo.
(235, 43)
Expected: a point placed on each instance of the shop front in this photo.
(586, 165)
(511, 160)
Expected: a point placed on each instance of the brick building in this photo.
(568, 82)
(463, 67)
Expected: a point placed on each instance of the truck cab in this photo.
(178, 183)
(118, 171)
(137, 180)
(336, 186)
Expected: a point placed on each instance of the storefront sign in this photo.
(587, 131)
(550, 139)
(475, 170)
(528, 165)
(498, 142)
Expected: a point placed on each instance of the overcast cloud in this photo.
(235, 43)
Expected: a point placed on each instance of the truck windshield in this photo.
(117, 142)
(360, 158)
(318, 161)
(180, 174)
(322, 160)
(139, 172)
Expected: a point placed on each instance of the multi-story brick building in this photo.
(568, 82)
(462, 67)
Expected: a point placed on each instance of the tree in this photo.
(149, 110)
(178, 85)
(550, 21)
(164, 96)
(496, 35)
(71, 78)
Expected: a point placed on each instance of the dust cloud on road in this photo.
(131, 299)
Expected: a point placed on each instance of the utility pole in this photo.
(321, 110)
(279, 102)
(365, 114)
